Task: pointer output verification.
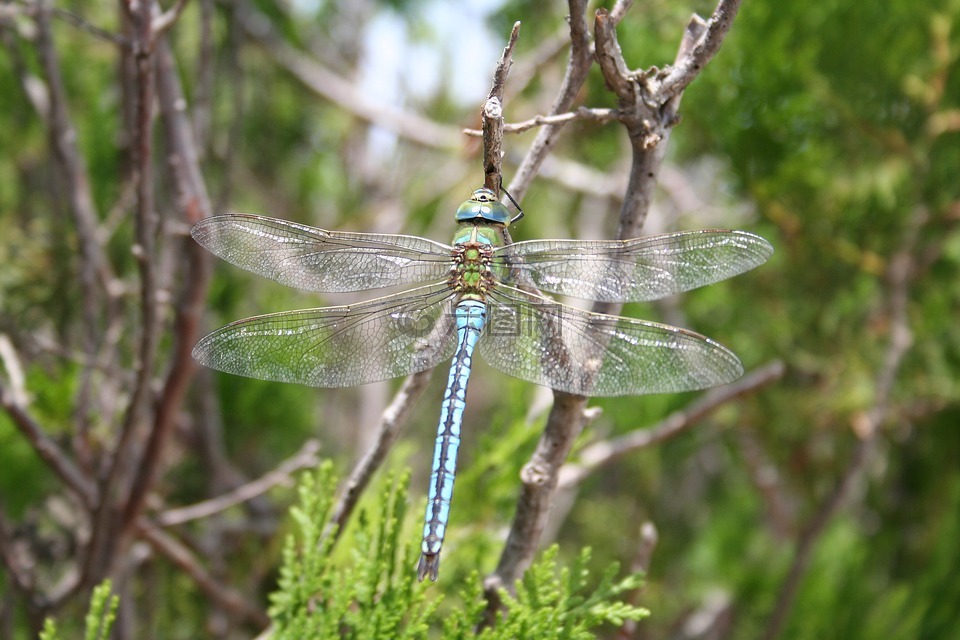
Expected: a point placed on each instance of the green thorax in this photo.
(483, 223)
(473, 246)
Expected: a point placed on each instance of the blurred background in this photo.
(824, 503)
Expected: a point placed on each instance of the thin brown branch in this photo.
(647, 111)
(641, 563)
(620, 9)
(47, 449)
(689, 66)
(80, 23)
(394, 416)
(93, 270)
(343, 93)
(767, 482)
(504, 64)
(578, 64)
(19, 564)
(492, 117)
(616, 73)
(530, 67)
(304, 458)
(195, 205)
(31, 9)
(901, 276)
(582, 178)
(104, 544)
(601, 454)
(181, 556)
(539, 476)
(583, 113)
(168, 18)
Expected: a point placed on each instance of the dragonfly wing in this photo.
(638, 269)
(317, 260)
(338, 346)
(591, 354)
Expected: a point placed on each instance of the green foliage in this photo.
(370, 594)
(103, 611)
(99, 619)
(552, 604)
(557, 606)
(371, 591)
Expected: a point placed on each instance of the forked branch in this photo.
(648, 113)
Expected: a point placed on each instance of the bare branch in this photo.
(533, 62)
(93, 269)
(15, 374)
(648, 118)
(601, 454)
(195, 205)
(181, 556)
(344, 94)
(492, 117)
(19, 565)
(168, 18)
(619, 10)
(394, 416)
(578, 64)
(539, 477)
(583, 113)
(302, 459)
(616, 74)
(647, 122)
(47, 449)
(641, 563)
(9, 10)
(97, 32)
(104, 544)
(504, 64)
(688, 67)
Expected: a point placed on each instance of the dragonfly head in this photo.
(483, 204)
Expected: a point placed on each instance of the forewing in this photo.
(638, 269)
(317, 260)
(591, 354)
(338, 346)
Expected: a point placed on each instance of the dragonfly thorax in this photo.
(471, 273)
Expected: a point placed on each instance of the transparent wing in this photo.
(590, 354)
(338, 346)
(317, 260)
(638, 269)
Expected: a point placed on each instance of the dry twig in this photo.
(394, 416)
(600, 454)
(304, 458)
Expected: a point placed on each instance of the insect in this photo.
(481, 294)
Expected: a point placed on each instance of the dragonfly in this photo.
(480, 293)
